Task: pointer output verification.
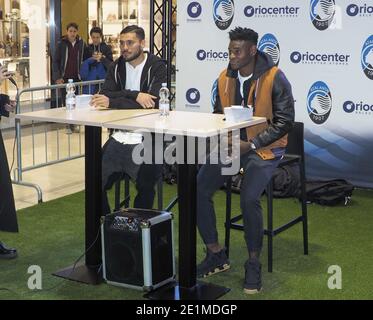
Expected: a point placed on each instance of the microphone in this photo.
(12, 81)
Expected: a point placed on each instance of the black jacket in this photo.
(8, 217)
(152, 77)
(4, 99)
(104, 49)
(282, 102)
(60, 57)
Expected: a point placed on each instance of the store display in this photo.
(133, 14)
(122, 10)
(15, 46)
(112, 41)
(111, 17)
(114, 15)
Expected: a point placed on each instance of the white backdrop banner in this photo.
(325, 48)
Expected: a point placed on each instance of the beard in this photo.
(133, 57)
(242, 64)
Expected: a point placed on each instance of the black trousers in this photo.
(257, 173)
(8, 217)
(117, 160)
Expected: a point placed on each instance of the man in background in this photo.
(67, 61)
(97, 60)
(68, 56)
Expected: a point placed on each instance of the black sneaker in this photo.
(213, 263)
(7, 253)
(253, 276)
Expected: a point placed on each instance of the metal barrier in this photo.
(44, 98)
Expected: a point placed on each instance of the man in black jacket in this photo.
(251, 79)
(69, 56)
(8, 217)
(67, 61)
(132, 82)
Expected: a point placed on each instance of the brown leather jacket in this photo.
(270, 95)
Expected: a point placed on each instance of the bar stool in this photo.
(118, 203)
(294, 154)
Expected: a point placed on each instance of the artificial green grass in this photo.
(52, 237)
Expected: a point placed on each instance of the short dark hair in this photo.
(244, 34)
(96, 30)
(140, 33)
(72, 24)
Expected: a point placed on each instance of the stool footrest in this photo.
(172, 204)
(238, 226)
(287, 225)
(125, 202)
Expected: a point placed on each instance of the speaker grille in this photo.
(123, 257)
(123, 248)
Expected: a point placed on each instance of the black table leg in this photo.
(88, 272)
(187, 288)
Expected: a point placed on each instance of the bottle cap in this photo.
(164, 84)
(70, 80)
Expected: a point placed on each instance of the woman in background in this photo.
(8, 217)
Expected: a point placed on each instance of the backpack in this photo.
(329, 193)
(286, 181)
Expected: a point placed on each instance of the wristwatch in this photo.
(252, 145)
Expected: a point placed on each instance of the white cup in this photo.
(83, 100)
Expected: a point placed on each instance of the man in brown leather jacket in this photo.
(250, 79)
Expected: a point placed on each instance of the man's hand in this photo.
(146, 100)
(4, 73)
(97, 56)
(245, 146)
(59, 81)
(10, 107)
(99, 100)
(226, 141)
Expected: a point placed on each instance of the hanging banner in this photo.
(324, 47)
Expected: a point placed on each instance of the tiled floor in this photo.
(55, 180)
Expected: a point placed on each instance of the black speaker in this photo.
(138, 249)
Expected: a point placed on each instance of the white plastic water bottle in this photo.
(70, 95)
(164, 102)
